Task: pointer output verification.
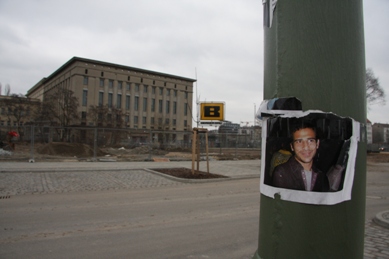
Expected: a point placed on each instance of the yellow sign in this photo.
(212, 111)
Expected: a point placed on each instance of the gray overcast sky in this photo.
(220, 39)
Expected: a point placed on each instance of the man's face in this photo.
(304, 146)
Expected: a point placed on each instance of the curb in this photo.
(382, 219)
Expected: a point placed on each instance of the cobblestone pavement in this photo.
(62, 182)
(376, 241)
(46, 178)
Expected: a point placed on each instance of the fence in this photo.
(152, 140)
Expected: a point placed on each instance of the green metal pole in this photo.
(314, 51)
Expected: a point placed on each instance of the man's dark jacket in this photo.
(289, 175)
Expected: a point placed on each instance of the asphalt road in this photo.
(155, 218)
(210, 220)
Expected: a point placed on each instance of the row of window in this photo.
(136, 103)
(137, 87)
(128, 78)
(136, 119)
(8, 123)
(9, 110)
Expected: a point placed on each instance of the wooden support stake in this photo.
(196, 148)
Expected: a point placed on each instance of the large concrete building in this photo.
(146, 99)
(380, 133)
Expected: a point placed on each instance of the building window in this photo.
(135, 119)
(128, 86)
(136, 103)
(160, 106)
(126, 119)
(119, 101)
(102, 74)
(83, 115)
(167, 121)
(185, 123)
(145, 88)
(186, 109)
(144, 104)
(153, 105)
(120, 84)
(152, 120)
(174, 107)
(85, 80)
(186, 95)
(101, 98)
(161, 90)
(110, 83)
(143, 120)
(167, 92)
(153, 90)
(167, 107)
(136, 87)
(160, 121)
(109, 117)
(110, 100)
(127, 102)
(101, 82)
(85, 97)
(174, 122)
(175, 93)
(86, 71)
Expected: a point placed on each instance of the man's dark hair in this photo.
(299, 124)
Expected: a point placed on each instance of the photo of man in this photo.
(299, 172)
(308, 157)
(300, 158)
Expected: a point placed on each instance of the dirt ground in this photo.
(59, 151)
(187, 173)
(77, 151)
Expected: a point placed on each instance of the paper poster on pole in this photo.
(308, 157)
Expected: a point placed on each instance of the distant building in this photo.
(380, 133)
(229, 127)
(16, 111)
(146, 99)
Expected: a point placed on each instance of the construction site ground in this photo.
(62, 151)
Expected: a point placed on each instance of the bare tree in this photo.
(117, 117)
(98, 114)
(375, 94)
(61, 108)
